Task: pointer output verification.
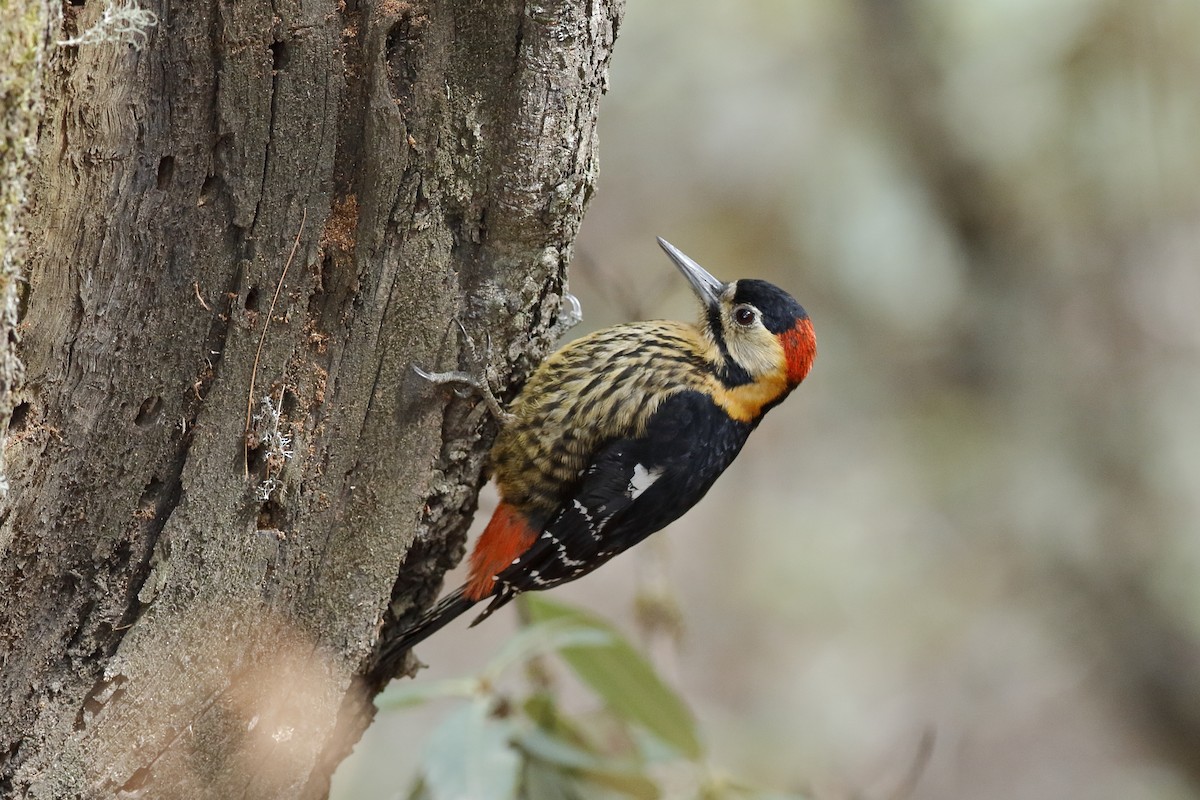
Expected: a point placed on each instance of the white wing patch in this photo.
(642, 480)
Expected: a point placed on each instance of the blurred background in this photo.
(977, 524)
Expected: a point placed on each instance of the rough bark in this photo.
(273, 211)
(22, 42)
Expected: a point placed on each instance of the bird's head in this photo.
(762, 333)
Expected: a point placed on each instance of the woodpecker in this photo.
(620, 432)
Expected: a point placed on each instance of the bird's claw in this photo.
(574, 316)
(570, 314)
(454, 377)
(476, 383)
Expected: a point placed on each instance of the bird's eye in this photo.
(744, 315)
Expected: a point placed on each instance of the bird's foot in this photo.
(478, 382)
(475, 382)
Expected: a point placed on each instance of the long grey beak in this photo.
(706, 287)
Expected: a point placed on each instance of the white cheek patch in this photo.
(642, 480)
(757, 351)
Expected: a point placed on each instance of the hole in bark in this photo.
(326, 275)
(23, 293)
(19, 418)
(280, 54)
(270, 516)
(122, 555)
(398, 37)
(251, 303)
(149, 411)
(403, 54)
(150, 494)
(256, 457)
(138, 780)
(166, 169)
(290, 404)
(482, 226)
(212, 185)
(78, 3)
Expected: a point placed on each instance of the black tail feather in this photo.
(432, 621)
(499, 600)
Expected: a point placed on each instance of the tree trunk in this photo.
(242, 235)
(22, 34)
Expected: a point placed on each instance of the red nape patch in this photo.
(506, 537)
(800, 347)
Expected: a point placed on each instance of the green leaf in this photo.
(418, 790)
(606, 733)
(542, 708)
(725, 787)
(544, 782)
(624, 680)
(526, 644)
(608, 736)
(410, 693)
(469, 756)
(638, 787)
(552, 749)
(533, 640)
(558, 742)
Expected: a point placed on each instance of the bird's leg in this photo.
(478, 382)
(475, 382)
(569, 316)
